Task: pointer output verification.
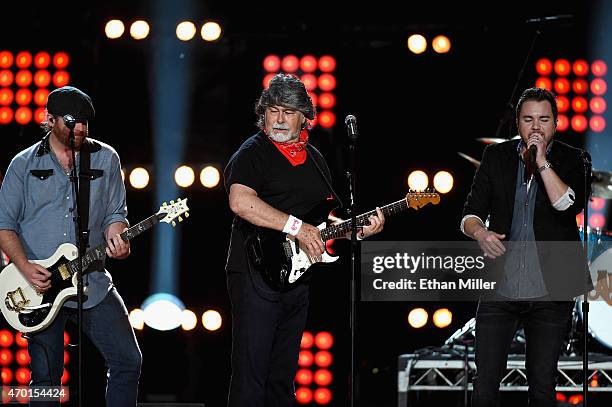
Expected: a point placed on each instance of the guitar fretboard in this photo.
(99, 252)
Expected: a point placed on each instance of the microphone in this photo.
(351, 127)
(560, 19)
(533, 150)
(69, 121)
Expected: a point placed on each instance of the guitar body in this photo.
(24, 308)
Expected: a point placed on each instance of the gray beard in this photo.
(283, 138)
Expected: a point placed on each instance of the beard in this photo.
(283, 137)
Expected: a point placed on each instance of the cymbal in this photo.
(491, 140)
(601, 184)
(470, 159)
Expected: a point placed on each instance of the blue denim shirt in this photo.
(36, 202)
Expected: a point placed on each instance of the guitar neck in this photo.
(98, 253)
(341, 229)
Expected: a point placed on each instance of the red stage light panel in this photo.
(322, 396)
(66, 357)
(39, 115)
(597, 204)
(561, 85)
(61, 60)
(23, 115)
(42, 60)
(597, 124)
(303, 395)
(326, 119)
(271, 63)
(324, 340)
(543, 83)
(6, 338)
(42, 78)
(562, 122)
(6, 357)
(307, 340)
(20, 340)
(308, 63)
(6, 115)
(579, 123)
(562, 67)
(323, 377)
(314, 98)
(563, 104)
(597, 220)
(327, 82)
(580, 86)
(598, 105)
(6, 96)
(305, 358)
(61, 78)
(310, 81)
(580, 104)
(22, 357)
(599, 68)
(267, 79)
(6, 78)
(66, 339)
(23, 78)
(323, 358)
(23, 97)
(40, 97)
(6, 59)
(544, 66)
(22, 375)
(580, 67)
(327, 63)
(327, 100)
(65, 377)
(290, 63)
(303, 377)
(6, 375)
(23, 59)
(599, 87)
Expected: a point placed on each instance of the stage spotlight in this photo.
(6, 375)
(23, 59)
(544, 66)
(314, 98)
(303, 377)
(23, 115)
(327, 100)
(66, 339)
(443, 182)
(324, 340)
(303, 395)
(417, 318)
(271, 63)
(599, 68)
(307, 340)
(580, 86)
(305, 358)
(6, 96)
(322, 396)
(6, 115)
(184, 176)
(579, 123)
(189, 320)
(61, 78)
(562, 104)
(417, 44)
(23, 97)
(308, 63)
(290, 63)
(185, 30)
(23, 78)
(561, 85)
(61, 60)
(323, 377)
(597, 204)
(562, 67)
(211, 31)
(20, 340)
(65, 377)
(6, 78)
(40, 97)
(327, 63)
(6, 357)
(139, 30)
(562, 122)
(441, 44)
(42, 60)
(418, 181)
(442, 318)
(114, 29)
(136, 318)
(579, 104)
(66, 357)
(6, 338)
(267, 79)
(599, 87)
(326, 82)
(323, 358)
(210, 176)
(39, 115)
(139, 178)
(598, 105)
(597, 124)
(22, 357)
(327, 119)
(310, 81)
(6, 59)
(580, 67)
(212, 320)
(22, 375)
(42, 78)
(543, 83)
(163, 311)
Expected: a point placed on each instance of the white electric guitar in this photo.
(28, 310)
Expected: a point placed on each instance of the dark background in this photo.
(414, 112)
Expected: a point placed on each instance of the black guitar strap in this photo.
(318, 163)
(86, 174)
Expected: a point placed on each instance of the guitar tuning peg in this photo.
(172, 202)
(180, 219)
(186, 214)
(173, 223)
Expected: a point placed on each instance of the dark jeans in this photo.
(545, 325)
(267, 330)
(109, 329)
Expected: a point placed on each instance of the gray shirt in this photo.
(37, 201)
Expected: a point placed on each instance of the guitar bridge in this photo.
(287, 249)
(13, 303)
(64, 272)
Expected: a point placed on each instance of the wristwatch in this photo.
(545, 167)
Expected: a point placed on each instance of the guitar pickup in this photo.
(64, 272)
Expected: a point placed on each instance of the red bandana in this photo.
(294, 152)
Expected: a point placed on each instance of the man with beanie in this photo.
(37, 214)
(275, 181)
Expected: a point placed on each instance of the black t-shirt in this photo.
(294, 190)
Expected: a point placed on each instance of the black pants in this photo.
(545, 325)
(267, 330)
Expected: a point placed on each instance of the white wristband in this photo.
(292, 226)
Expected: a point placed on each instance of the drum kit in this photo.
(600, 265)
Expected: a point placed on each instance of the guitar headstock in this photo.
(417, 200)
(167, 213)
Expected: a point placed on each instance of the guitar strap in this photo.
(319, 164)
(86, 174)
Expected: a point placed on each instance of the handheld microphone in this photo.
(69, 121)
(533, 150)
(351, 127)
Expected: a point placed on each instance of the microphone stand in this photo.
(353, 378)
(80, 242)
(586, 159)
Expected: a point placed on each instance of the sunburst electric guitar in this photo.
(28, 310)
(278, 258)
